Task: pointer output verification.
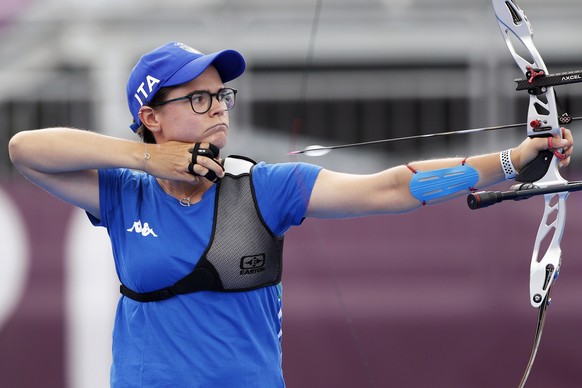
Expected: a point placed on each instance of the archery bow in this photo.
(541, 176)
(543, 121)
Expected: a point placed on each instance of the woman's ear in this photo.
(148, 117)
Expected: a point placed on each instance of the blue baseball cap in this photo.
(174, 64)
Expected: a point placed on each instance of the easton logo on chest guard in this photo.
(252, 264)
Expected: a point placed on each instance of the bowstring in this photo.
(295, 133)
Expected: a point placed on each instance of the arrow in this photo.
(318, 150)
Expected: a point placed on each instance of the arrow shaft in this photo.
(404, 138)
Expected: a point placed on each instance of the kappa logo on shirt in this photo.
(144, 229)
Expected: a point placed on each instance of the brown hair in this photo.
(144, 132)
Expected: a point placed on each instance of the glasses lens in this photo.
(201, 102)
(228, 97)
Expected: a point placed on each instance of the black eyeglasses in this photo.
(201, 100)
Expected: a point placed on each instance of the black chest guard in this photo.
(242, 254)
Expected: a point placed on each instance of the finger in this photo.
(211, 176)
(194, 151)
(204, 162)
(554, 145)
(199, 170)
(566, 133)
(191, 169)
(211, 164)
(209, 153)
(564, 162)
(211, 169)
(205, 149)
(214, 149)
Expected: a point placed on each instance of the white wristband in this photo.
(508, 169)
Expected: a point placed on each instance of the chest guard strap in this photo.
(242, 254)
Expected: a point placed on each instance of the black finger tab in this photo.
(205, 152)
(214, 149)
(211, 152)
(195, 152)
(211, 176)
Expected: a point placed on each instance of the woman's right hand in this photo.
(176, 161)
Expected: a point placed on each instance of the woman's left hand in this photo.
(530, 147)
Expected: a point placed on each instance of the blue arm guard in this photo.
(429, 185)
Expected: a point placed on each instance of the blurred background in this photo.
(436, 298)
